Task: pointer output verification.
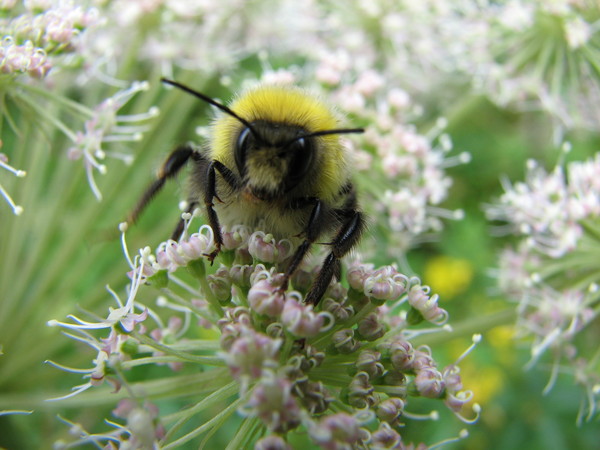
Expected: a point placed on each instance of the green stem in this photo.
(58, 99)
(182, 417)
(209, 360)
(216, 421)
(244, 435)
(468, 327)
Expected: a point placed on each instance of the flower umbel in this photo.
(283, 357)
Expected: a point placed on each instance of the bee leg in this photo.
(210, 193)
(313, 229)
(171, 167)
(344, 240)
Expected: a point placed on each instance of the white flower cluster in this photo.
(42, 31)
(548, 208)
(553, 273)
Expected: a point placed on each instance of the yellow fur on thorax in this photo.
(286, 105)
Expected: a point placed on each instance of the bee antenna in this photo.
(336, 131)
(213, 102)
(326, 133)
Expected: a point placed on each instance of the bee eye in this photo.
(301, 152)
(241, 149)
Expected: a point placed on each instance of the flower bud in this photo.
(272, 442)
(272, 401)
(344, 342)
(357, 274)
(220, 284)
(369, 361)
(385, 437)
(300, 320)
(265, 248)
(360, 392)
(402, 355)
(251, 353)
(265, 298)
(370, 328)
(340, 312)
(390, 410)
(336, 430)
(236, 237)
(429, 382)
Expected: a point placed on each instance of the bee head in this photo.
(279, 139)
(273, 158)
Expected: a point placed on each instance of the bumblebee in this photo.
(275, 163)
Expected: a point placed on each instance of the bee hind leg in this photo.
(313, 229)
(171, 167)
(345, 239)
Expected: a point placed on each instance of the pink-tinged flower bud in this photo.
(301, 321)
(265, 248)
(175, 254)
(369, 361)
(243, 256)
(423, 359)
(272, 442)
(429, 382)
(251, 353)
(163, 260)
(343, 341)
(236, 237)
(386, 437)
(266, 298)
(398, 381)
(390, 410)
(220, 284)
(370, 328)
(203, 242)
(188, 250)
(314, 396)
(418, 298)
(337, 292)
(340, 312)
(336, 431)
(360, 391)
(452, 378)
(272, 401)
(385, 284)
(402, 355)
(240, 274)
(357, 274)
(230, 332)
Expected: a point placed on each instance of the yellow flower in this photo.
(448, 276)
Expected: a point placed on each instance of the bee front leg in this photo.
(345, 239)
(210, 192)
(311, 233)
